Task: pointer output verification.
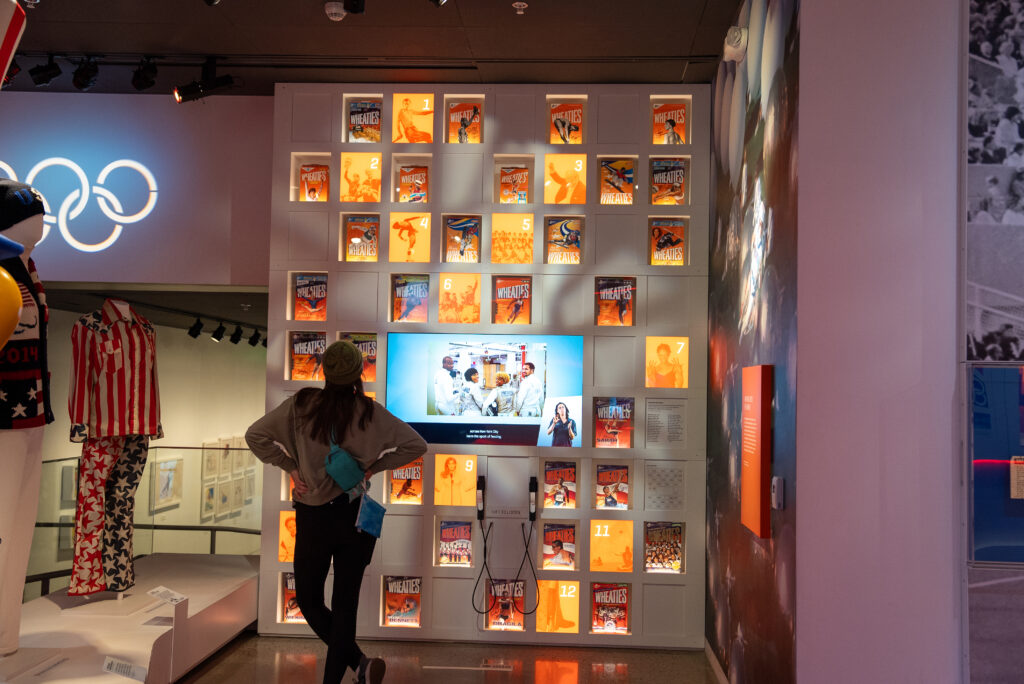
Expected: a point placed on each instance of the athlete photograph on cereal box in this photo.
(413, 184)
(310, 297)
(613, 422)
(563, 240)
(668, 123)
(505, 601)
(455, 543)
(401, 601)
(559, 484)
(465, 120)
(307, 355)
(366, 343)
(566, 123)
(364, 121)
(407, 484)
(314, 181)
(513, 185)
(617, 184)
(361, 237)
(409, 297)
(668, 181)
(511, 300)
(614, 301)
(461, 239)
(559, 546)
(610, 608)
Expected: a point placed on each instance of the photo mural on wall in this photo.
(751, 592)
(994, 295)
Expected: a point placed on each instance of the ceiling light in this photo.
(255, 338)
(84, 76)
(12, 71)
(212, 3)
(438, 3)
(144, 76)
(236, 336)
(196, 328)
(355, 6)
(520, 7)
(208, 84)
(335, 11)
(42, 74)
(218, 334)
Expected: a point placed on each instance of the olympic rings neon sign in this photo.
(74, 204)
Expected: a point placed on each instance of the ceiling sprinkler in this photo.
(520, 7)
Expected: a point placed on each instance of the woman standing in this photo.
(295, 437)
(563, 427)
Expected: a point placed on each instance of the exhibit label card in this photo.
(664, 488)
(166, 595)
(666, 423)
(1017, 477)
(755, 470)
(125, 669)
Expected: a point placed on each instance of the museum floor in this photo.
(250, 659)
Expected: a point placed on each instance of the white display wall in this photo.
(665, 610)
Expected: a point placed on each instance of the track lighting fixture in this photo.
(254, 339)
(264, 341)
(236, 336)
(85, 74)
(196, 328)
(42, 74)
(218, 334)
(144, 76)
(12, 71)
(209, 83)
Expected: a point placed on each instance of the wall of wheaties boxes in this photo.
(525, 269)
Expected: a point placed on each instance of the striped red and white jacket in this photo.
(114, 388)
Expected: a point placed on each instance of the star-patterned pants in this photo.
(109, 474)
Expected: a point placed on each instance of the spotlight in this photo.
(144, 76)
(84, 76)
(264, 341)
(208, 84)
(355, 6)
(520, 7)
(42, 74)
(254, 339)
(13, 71)
(236, 336)
(335, 11)
(196, 328)
(218, 334)
(438, 3)
(212, 3)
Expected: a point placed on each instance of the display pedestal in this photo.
(77, 634)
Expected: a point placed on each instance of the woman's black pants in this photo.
(322, 534)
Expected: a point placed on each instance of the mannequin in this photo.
(114, 404)
(24, 407)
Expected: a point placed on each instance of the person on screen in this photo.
(562, 428)
(296, 436)
(472, 394)
(445, 390)
(666, 370)
(530, 397)
(501, 400)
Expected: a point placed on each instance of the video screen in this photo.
(524, 390)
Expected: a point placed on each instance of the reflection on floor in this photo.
(266, 660)
(996, 600)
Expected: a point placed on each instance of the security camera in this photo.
(335, 11)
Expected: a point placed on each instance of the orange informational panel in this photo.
(286, 537)
(455, 480)
(511, 238)
(611, 546)
(668, 361)
(460, 298)
(413, 118)
(558, 607)
(360, 177)
(410, 237)
(565, 179)
(756, 450)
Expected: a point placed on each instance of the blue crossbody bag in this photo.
(346, 471)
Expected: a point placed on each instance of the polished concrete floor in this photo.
(996, 604)
(251, 659)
